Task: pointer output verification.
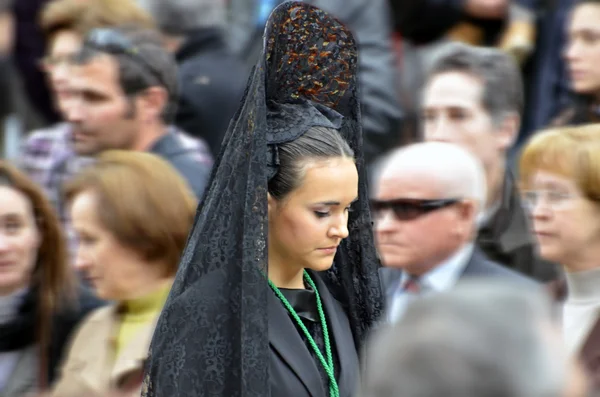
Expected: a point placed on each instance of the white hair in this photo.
(458, 172)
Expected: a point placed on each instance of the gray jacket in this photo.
(371, 25)
(24, 377)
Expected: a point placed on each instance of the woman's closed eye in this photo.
(321, 214)
(326, 213)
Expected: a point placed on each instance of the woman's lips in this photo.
(328, 250)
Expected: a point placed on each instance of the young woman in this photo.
(40, 302)
(278, 285)
(132, 213)
(582, 55)
(561, 184)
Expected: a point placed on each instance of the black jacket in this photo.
(293, 371)
(212, 82)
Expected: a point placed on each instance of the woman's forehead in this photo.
(333, 179)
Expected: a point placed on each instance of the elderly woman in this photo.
(39, 300)
(561, 185)
(132, 213)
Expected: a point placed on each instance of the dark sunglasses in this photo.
(409, 209)
(113, 42)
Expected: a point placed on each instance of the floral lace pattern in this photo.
(212, 336)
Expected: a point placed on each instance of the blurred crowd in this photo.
(119, 123)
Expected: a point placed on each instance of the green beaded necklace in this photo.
(327, 365)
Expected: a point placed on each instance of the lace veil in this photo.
(212, 336)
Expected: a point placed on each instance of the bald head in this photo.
(452, 170)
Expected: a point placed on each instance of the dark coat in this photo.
(29, 47)
(425, 21)
(293, 370)
(546, 77)
(212, 81)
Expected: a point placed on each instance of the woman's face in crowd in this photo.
(565, 222)
(19, 240)
(109, 266)
(582, 52)
(306, 226)
(58, 66)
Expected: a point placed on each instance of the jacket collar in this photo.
(97, 366)
(284, 338)
(509, 227)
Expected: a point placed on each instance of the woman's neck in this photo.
(146, 287)
(286, 276)
(9, 305)
(587, 260)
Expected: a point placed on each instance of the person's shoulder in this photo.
(191, 147)
(196, 302)
(86, 306)
(564, 117)
(46, 141)
(481, 266)
(54, 133)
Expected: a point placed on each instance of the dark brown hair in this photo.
(52, 275)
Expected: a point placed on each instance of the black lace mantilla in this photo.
(212, 336)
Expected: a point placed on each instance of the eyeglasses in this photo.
(113, 42)
(553, 198)
(50, 61)
(409, 209)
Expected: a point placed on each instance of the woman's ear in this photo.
(271, 202)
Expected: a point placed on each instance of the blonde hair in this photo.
(142, 200)
(570, 152)
(82, 16)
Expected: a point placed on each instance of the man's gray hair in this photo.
(179, 17)
(481, 339)
(503, 85)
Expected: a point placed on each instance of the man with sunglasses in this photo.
(427, 200)
(473, 97)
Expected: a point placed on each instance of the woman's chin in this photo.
(320, 266)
